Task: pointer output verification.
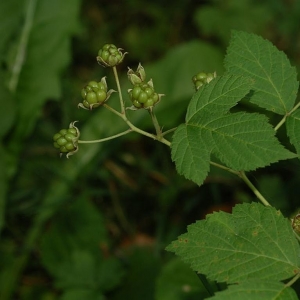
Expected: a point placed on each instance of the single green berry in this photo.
(66, 140)
(94, 94)
(143, 95)
(202, 78)
(109, 55)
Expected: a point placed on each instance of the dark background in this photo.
(95, 226)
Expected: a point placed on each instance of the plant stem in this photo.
(293, 280)
(136, 129)
(123, 112)
(282, 121)
(155, 122)
(243, 176)
(21, 52)
(105, 139)
(206, 284)
(168, 131)
(225, 168)
(254, 189)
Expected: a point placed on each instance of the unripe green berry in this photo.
(94, 94)
(66, 140)
(109, 55)
(143, 95)
(202, 78)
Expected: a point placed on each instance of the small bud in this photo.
(95, 94)
(66, 140)
(109, 55)
(138, 76)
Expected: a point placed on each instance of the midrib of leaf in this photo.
(255, 60)
(21, 52)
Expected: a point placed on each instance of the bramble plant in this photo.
(254, 248)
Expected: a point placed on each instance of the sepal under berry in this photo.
(296, 223)
(66, 140)
(109, 55)
(95, 94)
(144, 96)
(203, 78)
(138, 76)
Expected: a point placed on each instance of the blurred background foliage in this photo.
(95, 226)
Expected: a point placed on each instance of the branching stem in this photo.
(283, 120)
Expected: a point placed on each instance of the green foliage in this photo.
(70, 252)
(177, 281)
(275, 81)
(256, 290)
(70, 227)
(242, 141)
(254, 242)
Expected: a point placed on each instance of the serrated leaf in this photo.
(275, 81)
(242, 141)
(257, 290)
(293, 129)
(254, 242)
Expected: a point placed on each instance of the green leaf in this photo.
(219, 19)
(275, 81)
(242, 141)
(293, 129)
(172, 76)
(83, 269)
(10, 15)
(45, 59)
(81, 294)
(254, 242)
(257, 290)
(142, 270)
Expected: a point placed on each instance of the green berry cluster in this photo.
(94, 94)
(143, 95)
(66, 140)
(202, 78)
(109, 55)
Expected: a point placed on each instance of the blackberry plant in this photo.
(255, 248)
